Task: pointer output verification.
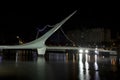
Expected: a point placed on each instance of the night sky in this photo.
(24, 19)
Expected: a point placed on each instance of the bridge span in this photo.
(80, 49)
(39, 43)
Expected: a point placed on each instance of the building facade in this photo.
(88, 37)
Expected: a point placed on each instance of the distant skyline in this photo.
(24, 21)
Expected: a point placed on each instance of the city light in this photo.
(81, 51)
(96, 51)
(86, 51)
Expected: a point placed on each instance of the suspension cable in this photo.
(66, 36)
(40, 30)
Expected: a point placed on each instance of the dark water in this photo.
(59, 66)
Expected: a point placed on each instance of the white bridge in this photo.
(39, 43)
(83, 50)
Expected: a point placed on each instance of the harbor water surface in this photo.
(58, 66)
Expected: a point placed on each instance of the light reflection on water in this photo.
(59, 66)
(84, 67)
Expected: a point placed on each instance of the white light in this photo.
(102, 56)
(96, 51)
(86, 51)
(81, 51)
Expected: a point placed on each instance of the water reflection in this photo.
(97, 77)
(58, 66)
(90, 66)
(81, 75)
(95, 63)
(86, 62)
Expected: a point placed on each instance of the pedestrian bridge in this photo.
(39, 43)
(80, 49)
